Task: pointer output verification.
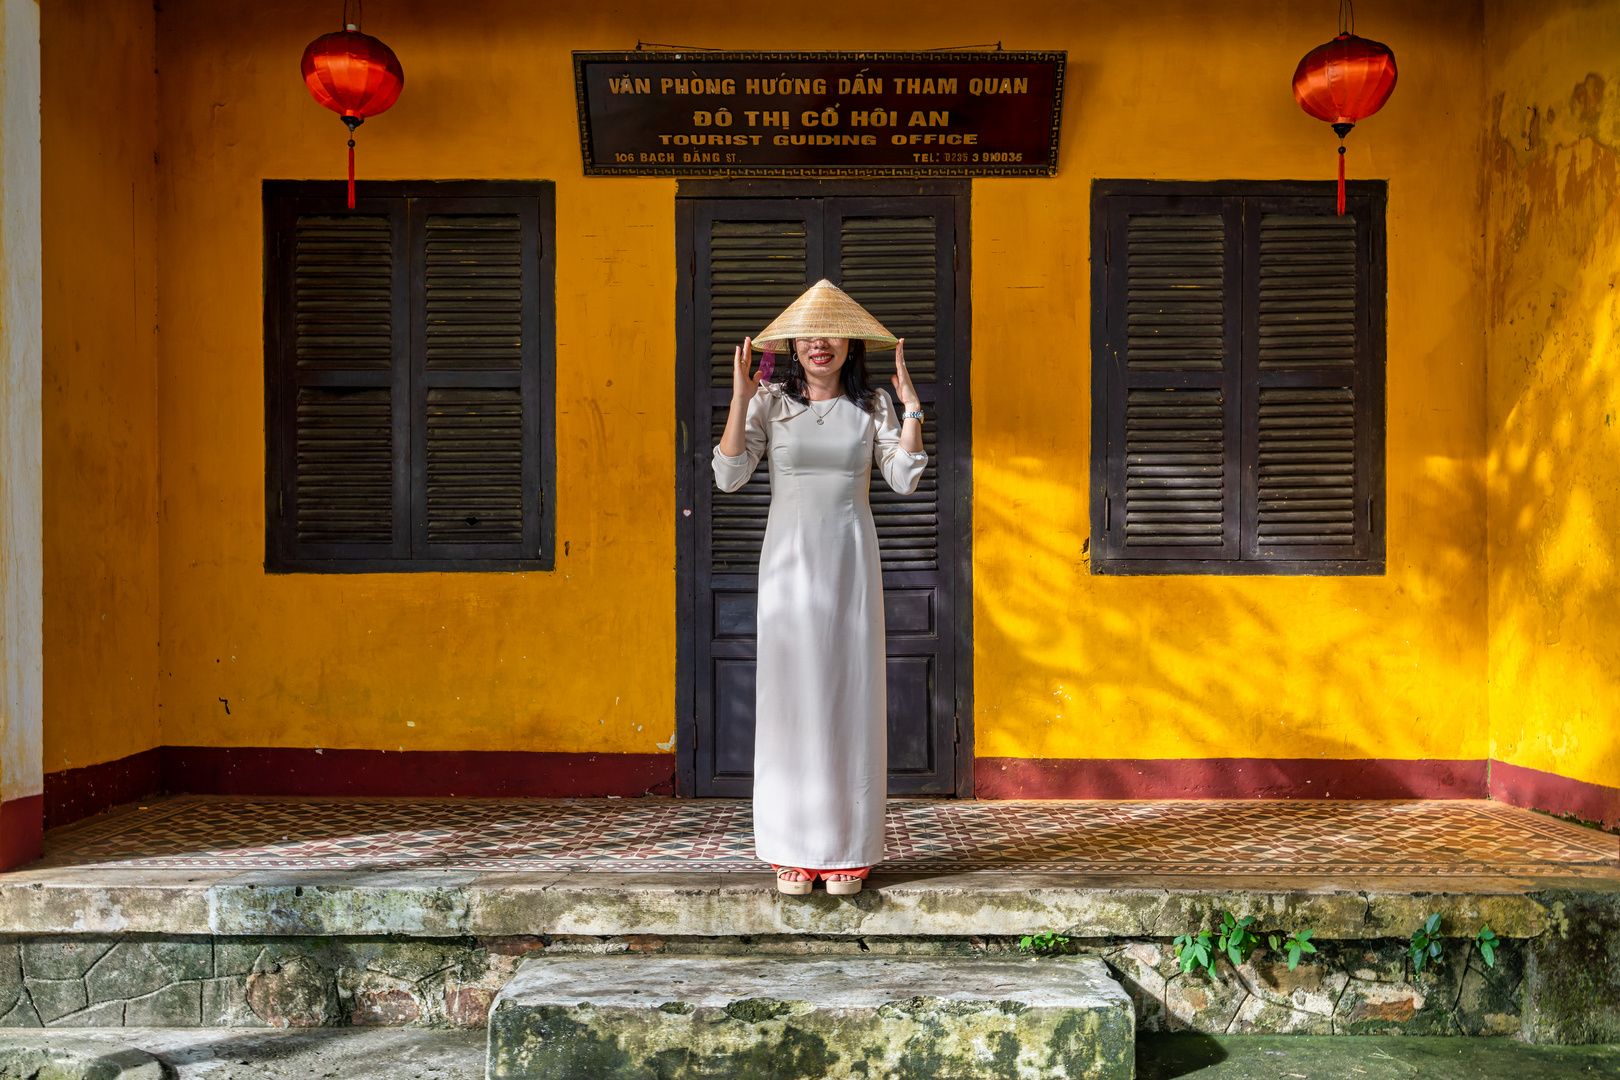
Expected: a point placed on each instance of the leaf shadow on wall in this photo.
(1553, 464)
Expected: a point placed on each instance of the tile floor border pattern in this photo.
(1406, 838)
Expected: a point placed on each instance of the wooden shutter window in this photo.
(344, 466)
(1238, 379)
(474, 287)
(890, 265)
(409, 387)
(1175, 468)
(1310, 468)
(1307, 464)
(343, 297)
(1175, 293)
(475, 466)
(1307, 291)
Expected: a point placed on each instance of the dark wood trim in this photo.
(818, 189)
(409, 189)
(1102, 353)
(537, 382)
(962, 467)
(547, 389)
(1236, 568)
(1109, 378)
(686, 470)
(1103, 188)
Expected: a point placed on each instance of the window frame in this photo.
(1372, 377)
(280, 386)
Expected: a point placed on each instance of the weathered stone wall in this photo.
(147, 981)
(1348, 987)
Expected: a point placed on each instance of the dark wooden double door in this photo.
(743, 261)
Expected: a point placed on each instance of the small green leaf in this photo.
(1432, 924)
(1274, 942)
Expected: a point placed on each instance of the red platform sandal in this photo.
(852, 883)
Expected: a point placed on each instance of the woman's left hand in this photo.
(902, 379)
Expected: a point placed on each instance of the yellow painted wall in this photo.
(1553, 470)
(98, 106)
(1067, 665)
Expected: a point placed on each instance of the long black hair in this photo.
(856, 380)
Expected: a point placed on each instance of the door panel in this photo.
(750, 259)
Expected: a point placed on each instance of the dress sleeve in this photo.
(731, 473)
(901, 468)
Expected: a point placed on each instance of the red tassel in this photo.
(351, 179)
(1341, 183)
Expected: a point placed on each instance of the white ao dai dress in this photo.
(821, 709)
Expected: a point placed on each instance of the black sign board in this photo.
(819, 114)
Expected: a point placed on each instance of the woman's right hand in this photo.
(744, 382)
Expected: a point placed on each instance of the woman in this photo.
(821, 725)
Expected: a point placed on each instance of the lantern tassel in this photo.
(1341, 182)
(351, 179)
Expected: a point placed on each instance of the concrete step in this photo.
(786, 1018)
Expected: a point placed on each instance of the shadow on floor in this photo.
(1166, 1057)
(1366, 1057)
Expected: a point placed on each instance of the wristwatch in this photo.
(912, 415)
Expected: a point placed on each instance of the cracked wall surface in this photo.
(1552, 285)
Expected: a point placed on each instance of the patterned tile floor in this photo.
(676, 835)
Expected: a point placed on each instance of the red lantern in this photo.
(355, 76)
(1344, 81)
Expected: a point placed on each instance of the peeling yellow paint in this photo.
(1553, 466)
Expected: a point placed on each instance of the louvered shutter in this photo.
(341, 331)
(476, 329)
(755, 268)
(894, 262)
(1170, 390)
(1313, 383)
(749, 261)
(408, 377)
(897, 258)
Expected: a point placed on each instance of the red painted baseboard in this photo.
(75, 794)
(258, 770)
(22, 830)
(1228, 778)
(1555, 794)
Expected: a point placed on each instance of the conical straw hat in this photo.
(825, 310)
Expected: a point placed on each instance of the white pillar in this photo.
(21, 525)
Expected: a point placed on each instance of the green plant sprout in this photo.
(1195, 950)
(1487, 941)
(1425, 943)
(1045, 941)
(1297, 945)
(1236, 939)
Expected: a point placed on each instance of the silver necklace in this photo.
(821, 417)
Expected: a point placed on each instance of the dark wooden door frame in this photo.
(688, 469)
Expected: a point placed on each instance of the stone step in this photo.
(741, 1017)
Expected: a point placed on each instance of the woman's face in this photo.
(823, 355)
